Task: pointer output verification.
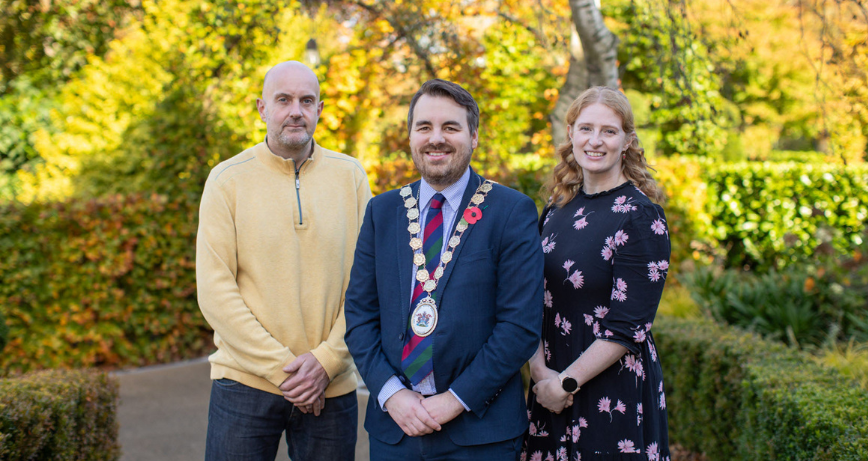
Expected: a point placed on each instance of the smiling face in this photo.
(598, 140)
(440, 140)
(290, 108)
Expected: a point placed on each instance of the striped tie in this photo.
(416, 357)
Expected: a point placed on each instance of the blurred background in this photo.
(754, 114)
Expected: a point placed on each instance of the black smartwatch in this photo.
(569, 384)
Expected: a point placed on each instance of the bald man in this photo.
(277, 232)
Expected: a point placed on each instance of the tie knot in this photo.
(437, 201)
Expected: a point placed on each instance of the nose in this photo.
(595, 139)
(295, 109)
(437, 137)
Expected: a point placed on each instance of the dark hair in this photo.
(441, 88)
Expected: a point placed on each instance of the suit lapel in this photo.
(405, 254)
(472, 185)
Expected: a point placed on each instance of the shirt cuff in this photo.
(466, 408)
(392, 386)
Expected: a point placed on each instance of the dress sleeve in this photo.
(640, 265)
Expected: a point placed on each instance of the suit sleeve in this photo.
(519, 300)
(244, 338)
(333, 353)
(364, 330)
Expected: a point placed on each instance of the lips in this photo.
(594, 154)
(438, 150)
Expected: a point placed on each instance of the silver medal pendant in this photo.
(424, 317)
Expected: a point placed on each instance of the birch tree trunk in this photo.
(593, 61)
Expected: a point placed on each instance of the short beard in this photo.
(446, 178)
(292, 142)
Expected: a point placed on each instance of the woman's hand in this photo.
(551, 395)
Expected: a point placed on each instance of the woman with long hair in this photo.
(597, 386)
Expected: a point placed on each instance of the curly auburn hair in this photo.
(568, 178)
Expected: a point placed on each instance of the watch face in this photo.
(569, 384)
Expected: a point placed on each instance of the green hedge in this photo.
(59, 415)
(108, 282)
(4, 331)
(762, 214)
(734, 396)
(768, 215)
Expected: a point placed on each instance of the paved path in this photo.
(163, 413)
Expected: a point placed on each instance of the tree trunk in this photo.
(593, 61)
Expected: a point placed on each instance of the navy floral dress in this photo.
(606, 260)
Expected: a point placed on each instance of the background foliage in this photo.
(59, 414)
(732, 395)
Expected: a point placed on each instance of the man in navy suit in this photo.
(445, 298)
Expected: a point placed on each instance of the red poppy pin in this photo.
(472, 214)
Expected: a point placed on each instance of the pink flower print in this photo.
(635, 365)
(557, 319)
(597, 329)
(639, 414)
(652, 265)
(662, 397)
(621, 237)
(523, 456)
(626, 446)
(607, 253)
(604, 406)
(608, 334)
(619, 291)
(565, 327)
(600, 311)
(653, 275)
(658, 227)
(652, 453)
(623, 205)
(548, 243)
(579, 212)
(660, 387)
(548, 216)
(653, 351)
(610, 241)
(621, 407)
(549, 457)
(547, 298)
(663, 265)
(588, 320)
(577, 279)
(621, 284)
(548, 355)
(568, 264)
(562, 454)
(576, 433)
(536, 456)
(583, 423)
(639, 336)
(581, 223)
(648, 326)
(532, 431)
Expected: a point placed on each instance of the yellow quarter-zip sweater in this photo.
(273, 258)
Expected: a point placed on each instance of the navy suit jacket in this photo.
(490, 312)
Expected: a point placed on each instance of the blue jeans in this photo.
(245, 424)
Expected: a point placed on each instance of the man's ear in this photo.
(260, 106)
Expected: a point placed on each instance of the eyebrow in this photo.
(446, 123)
(278, 95)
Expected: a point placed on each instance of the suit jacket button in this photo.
(401, 336)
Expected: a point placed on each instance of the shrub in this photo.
(772, 215)
(806, 304)
(4, 331)
(733, 395)
(106, 282)
(63, 415)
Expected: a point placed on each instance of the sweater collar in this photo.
(287, 166)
